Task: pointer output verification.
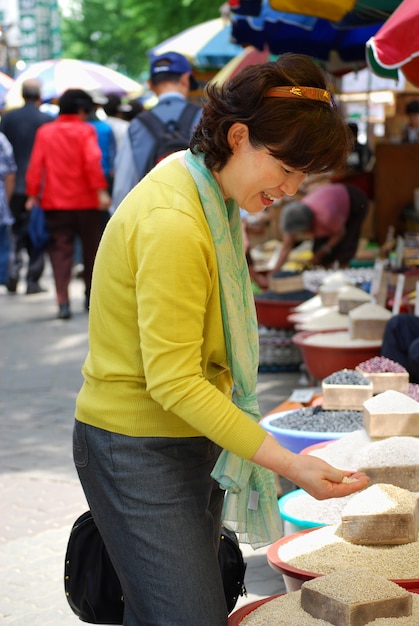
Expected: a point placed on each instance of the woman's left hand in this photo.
(322, 480)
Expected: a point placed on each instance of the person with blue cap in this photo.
(171, 79)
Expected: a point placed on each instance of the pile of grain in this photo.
(286, 611)
(383, 498)
(338, 339)
(356, 450)
(371, 312)
(391, 413)
(304, 507)
(381, 364)
(368, 321)
(323, 551)
(315, 419)
(390, 452)
(392, 402)
(324, 319)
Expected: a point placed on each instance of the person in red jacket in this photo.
(66, 178)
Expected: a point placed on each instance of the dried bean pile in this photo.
(315, 419)
(413, 391)
(346, 377)
(289, 296)
(381, 364)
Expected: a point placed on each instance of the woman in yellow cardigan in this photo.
(168, 412)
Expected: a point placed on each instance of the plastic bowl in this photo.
(274, 313)
(315, 446)
(321, 361)
(236, 618)
(290, 523)
(295, 440)
(294, 577)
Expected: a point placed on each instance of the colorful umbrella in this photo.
(57, 75)
(206, 45)
(340, 46)
(333, 10)
(396, 44)
(249, 56)
(337, 10)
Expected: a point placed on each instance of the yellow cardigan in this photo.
(157, 364)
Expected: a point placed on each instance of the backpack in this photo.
(92, 587)
(169, 136)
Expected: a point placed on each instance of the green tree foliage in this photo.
(118, 33)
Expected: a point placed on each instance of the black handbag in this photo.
(92, 587)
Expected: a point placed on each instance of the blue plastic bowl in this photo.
(290, 523)
(295, 440)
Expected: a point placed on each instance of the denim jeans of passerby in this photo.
(4, 253)
(159, 513)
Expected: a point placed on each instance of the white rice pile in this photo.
(356, 450)
(338, 339)
(391, 401)
(324, 320)
(370, 311)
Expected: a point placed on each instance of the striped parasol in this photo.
(57, 75)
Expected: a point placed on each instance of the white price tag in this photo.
(417, 300)
(376, 278)
(303, 396)
(398, 294)
(253, 502)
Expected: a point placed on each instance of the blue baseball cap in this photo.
(174, 63)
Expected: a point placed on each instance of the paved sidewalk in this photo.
(40, 359)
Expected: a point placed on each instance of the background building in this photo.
(30, 32)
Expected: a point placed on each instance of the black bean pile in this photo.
(346, 377)
(315, 419)
(286, 274)
(291, 296)
(381, 364)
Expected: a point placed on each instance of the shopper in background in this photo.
(171, 79)
(8, 170)
(173, 330)
(20, 126)
(107, 145)
(360, 158)
(114, 109)
(401, 343)
(66, 178)
(332, 216)
(410, 132)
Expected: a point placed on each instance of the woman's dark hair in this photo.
(73, 100)
(308, 135)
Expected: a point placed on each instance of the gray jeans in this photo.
(159, 513)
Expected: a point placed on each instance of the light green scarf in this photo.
(250, 505)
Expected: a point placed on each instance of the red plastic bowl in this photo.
(238, 616)
(316, 446)
(321, 361)
(294, 577)
(274, 313)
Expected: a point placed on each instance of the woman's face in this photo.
(252, 177)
